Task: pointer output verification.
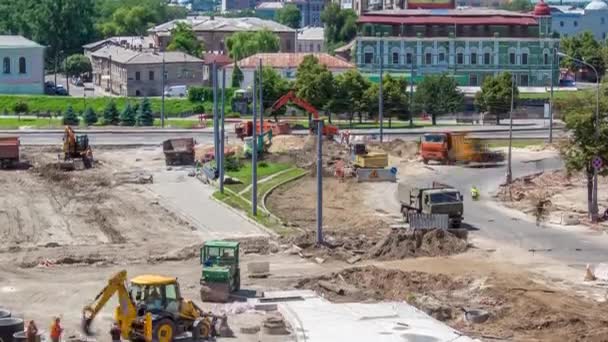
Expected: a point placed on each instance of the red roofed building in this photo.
(467, 43)
(286, 64)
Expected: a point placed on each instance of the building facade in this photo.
(268, 9)
(310, 10)
(571, 21)
(237, 5)
(127, 72)
(311, 39)
(22, 63)
(468, 44)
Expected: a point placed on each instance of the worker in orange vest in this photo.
(56, 330)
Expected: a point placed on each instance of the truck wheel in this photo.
(164, 331)
(425, 161)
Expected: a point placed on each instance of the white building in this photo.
(571, 21)
(22, 66)
(311, 39)
(286, 64)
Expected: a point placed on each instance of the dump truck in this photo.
(179, 151)
(9, 151)
(451, 148)
(437, 199)
(221, 273)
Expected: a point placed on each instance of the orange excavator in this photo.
(329, 130)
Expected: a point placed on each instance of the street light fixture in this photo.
(594, 208)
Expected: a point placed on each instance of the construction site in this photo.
(71, 221)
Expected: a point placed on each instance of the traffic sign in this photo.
(597, 163)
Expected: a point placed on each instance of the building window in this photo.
(524, 58)
(368, 58)
(575, 23)
(523, 80)
(318, 47)
(473, 80)
(561, 24)
(299, 47)
(486, 58)
(137, 76)
(151, 75)
(473, 58)
(603, 20)
(546, 58)
(311, 49)
(395, 57)
(408, 58)
(512, 58)
(137, 93)
(6, 65)
(459, 58)
(428, 58)
(441, 57)
(22, 67)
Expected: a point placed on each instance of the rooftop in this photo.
(204, 23)
(459, 16)
(311, 33)
(284, 60)
(128, 56)
(123, 40)
(269, 5)
(17, 41)
(219, 59)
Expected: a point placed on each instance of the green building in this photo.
(469, 44)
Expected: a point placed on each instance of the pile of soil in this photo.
(400, 244)
(398, 148)
(531, 312)
(532, 187)
(302, 152)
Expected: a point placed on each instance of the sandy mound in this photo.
(398, 148)
(400, 244)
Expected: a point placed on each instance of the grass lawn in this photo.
(266, 186)
(556, 95)
(15, 123)
(244, 173)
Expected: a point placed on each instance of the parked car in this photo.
(61, 91)
(77, 81)
(178, 90)
(49, 88)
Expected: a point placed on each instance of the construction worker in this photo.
(31, 331)
(56, 330)
(474, 193)
(115, 332)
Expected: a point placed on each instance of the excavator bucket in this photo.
(215, 292)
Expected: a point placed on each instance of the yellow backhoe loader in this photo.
(151, 309)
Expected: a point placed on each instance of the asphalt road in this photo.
(490, 220)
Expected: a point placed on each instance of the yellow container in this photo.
(372, 160)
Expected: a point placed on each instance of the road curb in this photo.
(244, 216)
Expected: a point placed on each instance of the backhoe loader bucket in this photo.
(215, 292)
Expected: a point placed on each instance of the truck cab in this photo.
(435, 146)
(438, 199)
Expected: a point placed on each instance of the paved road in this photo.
(493, 222)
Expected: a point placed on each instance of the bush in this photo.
(263, 164)
(110, 114)
(70, 118)
(127, 116)
(199, 94)
(20, 107)
(144, 114)
(90, 117)
(233, 115)
(232, 164)
(198, 109)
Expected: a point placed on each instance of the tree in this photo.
(90, 117)
(129, 21)
(583, 47)
(350, 88)
(340, 25)
(77, 64)
(20, 108)
(183, 39)
(289, 15)
(70, 118)
(314, 82)
(237, 76)
(127, 116)
(437, 95)
(144, 114)
(496, 95)
(395, 96)
(273, 87)
(244, 44)
(518, 6)
(110, 114)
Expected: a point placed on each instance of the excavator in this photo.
(151, 309)
(329, 130)
(76, 147)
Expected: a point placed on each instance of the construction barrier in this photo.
(428, 221)
(376, 175)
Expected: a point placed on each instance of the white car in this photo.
(178, 90)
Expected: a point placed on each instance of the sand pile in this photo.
(400, 244)
(398, 148)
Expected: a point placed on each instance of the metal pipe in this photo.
(551, 100)
(222, 135)
(216, 144)
(411, 91)
(261, 87)
(319, 182)
(254, 156)
(381, 101)
(162, 103)
(509, 171)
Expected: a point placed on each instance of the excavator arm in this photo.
(328, 130)
(125, 312)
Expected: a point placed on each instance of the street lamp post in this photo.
(594, 208)
(509, 171)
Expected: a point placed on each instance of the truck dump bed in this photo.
(179, 151)
(9, 148)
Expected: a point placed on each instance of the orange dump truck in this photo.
(450, 148)
(9, 151)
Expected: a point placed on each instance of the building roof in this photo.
(285, 60)
(567, 10)
(596, 5)
(17, 41)
(128, 56)
(205, 23)
(311, 33)
(273, 5)
(135, 41)
(541, 8)
(459, 16)
(219, 59)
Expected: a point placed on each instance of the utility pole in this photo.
(261, 87)
(411, 92)
(381, 101)
(254, 156)
(162, 101)
(509, 171)
(222, 137)
(553, 56)
(319, 182)
(216, 135)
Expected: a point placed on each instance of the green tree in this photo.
(437, 95)
(340, 25)
(90, 117)
(244, 44)
(127, 116)
(350, 90)
(583, 47)
(496, 94)
(129, 21)
(273, 87)
(289, 15)
(144, 114)
(70, 118)
(395, 96)
(183, 39)
(110, 114)
(77, 64)
(237, 76)
(20, 108)
(314, 82)
(518, 6)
